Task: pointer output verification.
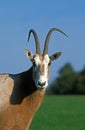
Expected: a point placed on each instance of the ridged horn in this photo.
(45, 51)
(36, 40)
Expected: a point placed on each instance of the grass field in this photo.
(60, 113)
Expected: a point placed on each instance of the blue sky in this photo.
(18, 17)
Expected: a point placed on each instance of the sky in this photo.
(19, 16)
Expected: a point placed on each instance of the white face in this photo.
(41, 66)
(41, 71)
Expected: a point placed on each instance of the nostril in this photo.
(41, 84)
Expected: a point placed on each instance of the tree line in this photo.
(68, 82)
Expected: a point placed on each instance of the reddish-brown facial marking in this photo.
(42, 68)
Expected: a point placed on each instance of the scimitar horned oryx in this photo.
(21, 94)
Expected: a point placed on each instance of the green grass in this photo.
(60, 113)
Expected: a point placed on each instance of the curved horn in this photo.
(45, 51)
(36, 40)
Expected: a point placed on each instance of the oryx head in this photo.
(41, 62)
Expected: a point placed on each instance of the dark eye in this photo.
(34, 64)
(49, 63)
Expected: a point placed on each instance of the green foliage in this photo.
(80, 82)
(68, 82)
(60, 113)
(66, 70)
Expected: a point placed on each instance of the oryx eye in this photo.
(34, 64)
(49, 63)
(33, 61)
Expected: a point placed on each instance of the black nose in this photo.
(41, 83)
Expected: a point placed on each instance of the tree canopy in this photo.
(68, 81)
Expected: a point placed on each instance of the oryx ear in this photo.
(55, 56)
(28, 54)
